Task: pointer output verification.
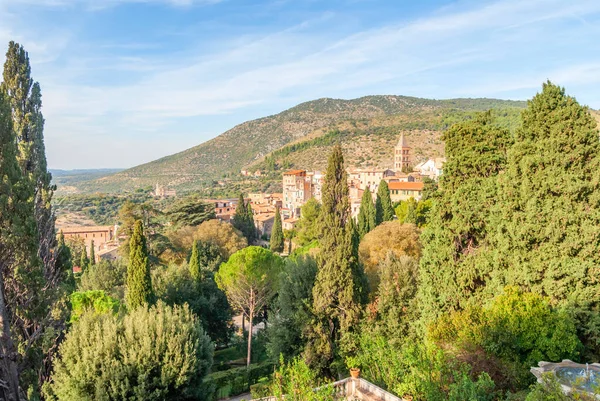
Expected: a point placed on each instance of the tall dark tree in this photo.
(384, 211)
(92, 254)
(244, 219)
(9, 182)
(277, 233)
(366, 220)
(25, 99)
(451, 270)
(84, 261)
(547, 225)
(139, 285)
(338, 286)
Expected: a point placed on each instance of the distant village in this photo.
(298, 187)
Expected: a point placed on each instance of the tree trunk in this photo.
(9, 377)
(250, 337)
(243, 323)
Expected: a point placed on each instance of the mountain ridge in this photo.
(248, 144)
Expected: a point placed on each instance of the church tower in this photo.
(401, 155)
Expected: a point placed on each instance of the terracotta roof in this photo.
(291, 220)
(84, 229)
(295, 172)
(264, 216)
(406, 186)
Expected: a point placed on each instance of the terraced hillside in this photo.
(367, 127)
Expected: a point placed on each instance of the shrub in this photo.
(96, 301)
(157, 353)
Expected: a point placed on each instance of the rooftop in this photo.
(407, 186)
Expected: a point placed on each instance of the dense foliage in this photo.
(109, 357)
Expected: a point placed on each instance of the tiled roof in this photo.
(406, 186)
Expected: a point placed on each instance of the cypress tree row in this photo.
(276, 243)
(384, 211)
(139, 286)
(338, 288)
(366, 215)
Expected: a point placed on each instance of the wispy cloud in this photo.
(128, 91)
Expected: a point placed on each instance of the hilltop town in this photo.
(405, 180)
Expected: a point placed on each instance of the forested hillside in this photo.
(368, 126)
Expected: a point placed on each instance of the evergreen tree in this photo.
(308, 226)
(92, 254)
(451, 270)
(338, 287)
(25, 99)
(9, 182)
(64, 263)
(194, 264)
(84, 260)
(549, 202)
(139, 287)
(277, 233)
(244, 219)
(366, 215)
(384, 211)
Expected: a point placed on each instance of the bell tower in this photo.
(401, 155)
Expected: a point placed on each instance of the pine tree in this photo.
(139, 286)
(338, 287)
(384, 211)
(277, 233)
(92, 254)
(63, 261)
(194, 264)
(366, 214)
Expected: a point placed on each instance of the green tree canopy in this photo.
(308, 226)
(451, 270)
(190, 211)
(244, 219)
(249, 278)
(108, 357)
(139, 285)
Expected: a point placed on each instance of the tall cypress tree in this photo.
(9, 221)
(384, 211)
(92, 254)
(277, 233)
(84, 261)
(194, 264)
(244, 219)
(366, 214)
(338, 287)
(139, 285)
(25, 101)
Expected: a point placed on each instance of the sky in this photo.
(128, 81)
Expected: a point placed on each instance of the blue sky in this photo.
(128, 81)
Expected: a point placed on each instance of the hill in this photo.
(301, 137)
(65, 179)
